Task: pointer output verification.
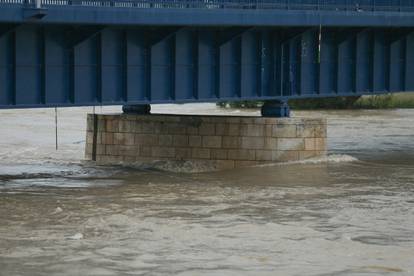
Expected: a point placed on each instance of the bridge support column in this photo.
(277, 109)
(137, 109)
(208, 142)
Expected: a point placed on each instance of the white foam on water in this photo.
(332, 158)
(77, 236)
(57, 210)
(193, 166)
(199, 166)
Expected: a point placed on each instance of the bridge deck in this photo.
(336, 5)
(218, 12)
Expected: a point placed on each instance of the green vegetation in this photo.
(398, 100)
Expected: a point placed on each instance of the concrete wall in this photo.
(228, 141)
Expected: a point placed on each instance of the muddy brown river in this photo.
(351, 213)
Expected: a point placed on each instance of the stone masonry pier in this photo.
(226, 142)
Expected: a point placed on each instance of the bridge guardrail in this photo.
(326, 5)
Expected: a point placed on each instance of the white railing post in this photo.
(38, 4)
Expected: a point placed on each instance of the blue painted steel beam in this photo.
(55, 65)
(208, 17)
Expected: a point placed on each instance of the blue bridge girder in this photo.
(396, 13)
(77, 53)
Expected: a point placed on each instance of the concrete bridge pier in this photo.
(223, 142)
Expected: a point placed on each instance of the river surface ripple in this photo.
(349, 214)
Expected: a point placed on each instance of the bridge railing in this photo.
(328, 5)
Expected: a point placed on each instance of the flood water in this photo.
(349, 214)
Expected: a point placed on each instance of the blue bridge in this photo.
(138, 52)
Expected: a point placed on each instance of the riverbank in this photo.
(386, 101)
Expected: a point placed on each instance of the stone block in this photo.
(126, 126)
(88, 156)
(98, 138)
(320, 131)
(180, 140)
(89, 137)
(207, 129)
(241, 154)
(113, 159)
(190, 121)
(168, 119)
(89, 122)
(137, 127)
(130, 159)
(305, 130)
(110, 117)
(128, 139)
(112, 125)
(162, 152)
(201, 153)
(100, 149)
(252, 130)
(218, 154)
(231, 142)
(247, 120)
(147, 139)
(157, 127)
(290, 144)
(88, 149)
(234, 129)
(167, 128)
(146, 127)
(268, 130)
(165, 140)
(233, 120)
(212, 141)
(308, 154)
(145, 151)
(118, 138)
(284, 131)
(183, 153)
(320, 144)
(252, 142)
(101, 125)
(99, 158)
(176, 128)
(128, 150)
(321, 153)
(270, 143)
(107, 138)
(271, 121)
(192, 130)
(310, 144)
(111, 149)
(263, 155)
(130, 117)
(221, 129)
(285, 156)
(194, 141)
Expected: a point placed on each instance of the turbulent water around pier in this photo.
(349, 214)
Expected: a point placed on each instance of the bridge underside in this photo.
(61, 65)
